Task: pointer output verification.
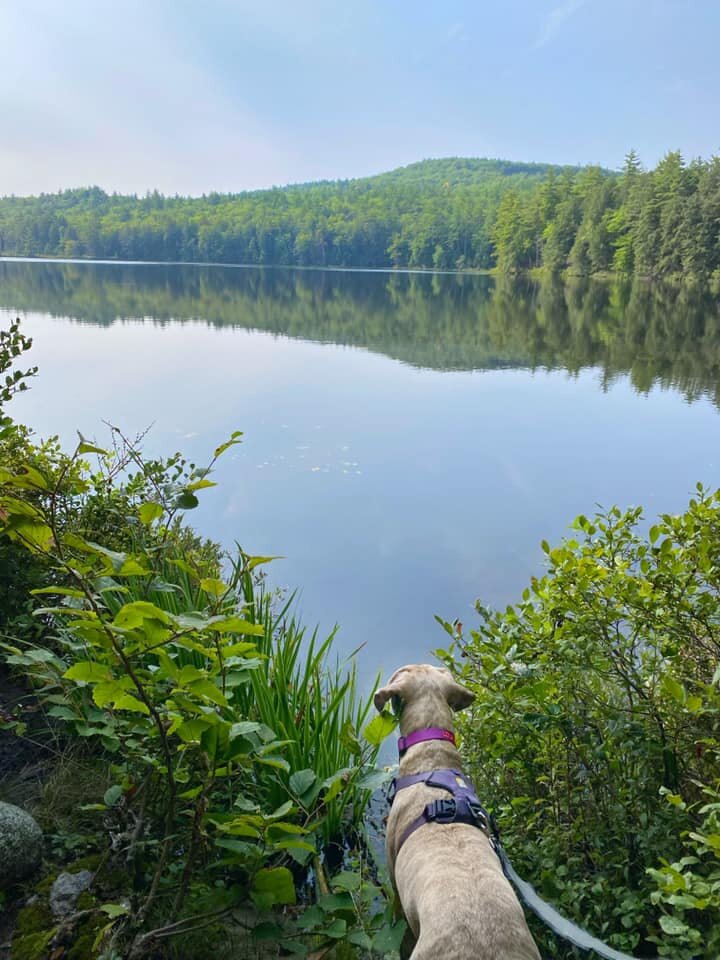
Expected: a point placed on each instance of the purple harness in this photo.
(462, 806)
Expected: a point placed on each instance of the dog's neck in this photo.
(430, 754)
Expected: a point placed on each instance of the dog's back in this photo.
(457, 901)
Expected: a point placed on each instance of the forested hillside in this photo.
(443, 214)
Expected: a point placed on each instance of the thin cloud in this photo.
(555, 19)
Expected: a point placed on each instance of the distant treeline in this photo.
(442, 214)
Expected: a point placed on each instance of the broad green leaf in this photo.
(87, 671)
(360, 939)
(276, 881)
(109, 691)
(267, 931)
(132, 568)
(336, 929)
(113, 794)
(134, 614)
(201, 484)
(59, 591)
(336, 901)
(131, 703)
(243, 728)
(673, 689)
(302, 781)
(208, 691)
(186, 500)
(149, 512)
(347, 880)
(380, 727)
(191, 730)
(389, 938)
(673, 926)
(115, 909)
(216, 588)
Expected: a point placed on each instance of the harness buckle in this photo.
(480, 815)
(443, 810)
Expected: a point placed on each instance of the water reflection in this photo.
(658, 335)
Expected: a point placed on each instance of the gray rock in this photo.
(21, 845)
(66, 890)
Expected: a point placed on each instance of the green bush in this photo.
(595, 731)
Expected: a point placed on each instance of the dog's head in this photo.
(422, 685)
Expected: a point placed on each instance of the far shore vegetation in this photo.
(452, 214)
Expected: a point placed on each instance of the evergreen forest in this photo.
(449, 214)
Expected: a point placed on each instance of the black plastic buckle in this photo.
(480, 815)
(442, 811)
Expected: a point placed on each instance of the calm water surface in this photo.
(409, 439)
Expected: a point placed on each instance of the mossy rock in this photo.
(31, 946)
(21, 844)
(90, 862)
(85, 937)
(34, 929)
(34, 918)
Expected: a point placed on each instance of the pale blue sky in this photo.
(191, 96)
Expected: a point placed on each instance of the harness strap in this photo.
(462, 806)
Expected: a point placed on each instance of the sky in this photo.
(189, 97)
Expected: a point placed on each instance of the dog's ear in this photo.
(397, 687)
(457, 696)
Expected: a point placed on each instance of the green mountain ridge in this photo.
(450, 214)
(448, 171)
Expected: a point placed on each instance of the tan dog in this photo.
(454, 894)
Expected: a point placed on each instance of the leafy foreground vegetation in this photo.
(205, 758)
(595, 735)
(444, 214)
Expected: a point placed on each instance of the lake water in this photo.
(409, 438)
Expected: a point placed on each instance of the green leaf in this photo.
(201, 484)
(243, 728)
(216, 588)
(59, 591)
(336, 901)
(360, 939)
(380, 727)
(673, 689)
(336, 930)
(310, 917)
(234, 438)
(347, 880)
(113, 794)
(673, 926)
(389, 938)
(128, 702)
(115, 909)
(87, 671)
(302, 781)
(192, 730)
(149, 512)
(135, 614)
(108, 691)
(267, 931)
(208, 691)
(186, 500)
(276, 881)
